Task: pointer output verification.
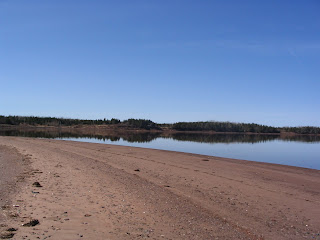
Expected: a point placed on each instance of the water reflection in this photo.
(222, 138)
(112, 136)
(145, 137)
(301, 151)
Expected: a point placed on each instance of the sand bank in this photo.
(98, 191)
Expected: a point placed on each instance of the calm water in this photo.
(301, 151)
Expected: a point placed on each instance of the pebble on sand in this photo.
(32, 223)
(36, 184)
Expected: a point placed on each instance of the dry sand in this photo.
(98, 191)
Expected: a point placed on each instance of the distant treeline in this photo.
(52, 121)
(241, 128)
(302, 130)
(148, 125)
(141, 123)
(224, 127)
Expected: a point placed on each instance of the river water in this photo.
(300, 151)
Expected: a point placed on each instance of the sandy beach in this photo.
(96, 191)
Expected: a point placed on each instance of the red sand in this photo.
(98, 191)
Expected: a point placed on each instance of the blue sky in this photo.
(168, 61)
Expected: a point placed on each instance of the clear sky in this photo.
(165, 60)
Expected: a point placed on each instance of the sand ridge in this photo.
(98, 191)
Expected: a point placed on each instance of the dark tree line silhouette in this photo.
(52, 121)
(302, 130)
(224, 127)
(149, 125)
(141, 123)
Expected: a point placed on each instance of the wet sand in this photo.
(98, 191)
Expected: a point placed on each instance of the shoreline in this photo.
(244, 161)
(106, 129)
(130, 193)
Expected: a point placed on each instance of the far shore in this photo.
(105, 129)
(77, 190)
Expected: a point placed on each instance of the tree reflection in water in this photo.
(144, 137)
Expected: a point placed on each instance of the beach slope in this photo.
(96, 191)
